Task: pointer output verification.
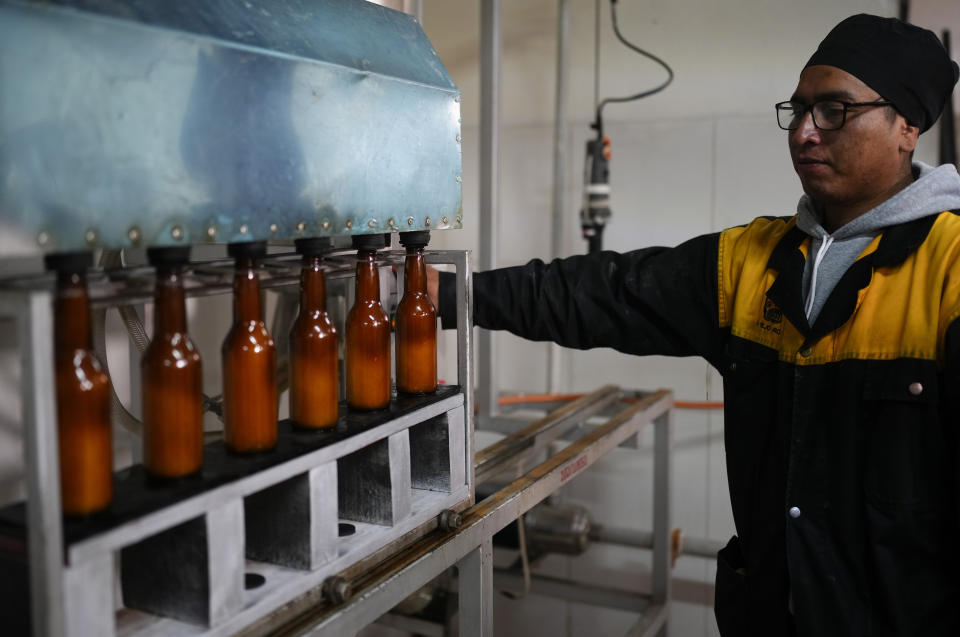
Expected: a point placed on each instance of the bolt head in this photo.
(176, 232)
(458, 138)
(391, 222)
(426, 221)
(134, 234)
(371, 224)
(349, 224)
(244, 229)
(211, 232)
(326, 225)
(459, 179)
(444, 220)
(273, 228)
(90, 236)
(43, 238)
(301, 226)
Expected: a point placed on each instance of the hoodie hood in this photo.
(935, 190)
(830, 254)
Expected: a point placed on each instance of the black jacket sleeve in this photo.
(649, 301)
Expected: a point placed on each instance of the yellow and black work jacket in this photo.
(841, 436)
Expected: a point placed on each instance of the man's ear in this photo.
(908, 137)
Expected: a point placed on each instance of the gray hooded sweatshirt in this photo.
(935, 190)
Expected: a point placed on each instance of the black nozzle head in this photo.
(247, 250)
(415, 239)
(368, 241)
(68, 262)
(312, 245)
(168, 256)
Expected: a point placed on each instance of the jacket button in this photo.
(916, 389)
(806, 351)
(794, 512)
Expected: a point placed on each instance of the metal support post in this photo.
(490, 45)
(476, 591)
(662, 435)
(45, 532)
(554, 351)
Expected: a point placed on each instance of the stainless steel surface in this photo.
(535, 436)
(490, 49)
(475, 578)
(34, 314)
(162, 123)
(553, 529)
(394, 579)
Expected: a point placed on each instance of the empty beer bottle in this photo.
(314, 382)
(82, 393)
(172, 377)
(368, 334)
(249, 361)
(416, 322)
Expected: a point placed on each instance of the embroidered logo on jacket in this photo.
(772, 313)
(772, 317)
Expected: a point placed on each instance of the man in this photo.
(837, 334)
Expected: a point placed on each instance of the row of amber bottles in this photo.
(171, 368)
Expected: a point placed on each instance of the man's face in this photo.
(857, 164)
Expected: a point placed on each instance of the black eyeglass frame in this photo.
(808, 108)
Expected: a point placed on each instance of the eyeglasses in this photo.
(827, 114)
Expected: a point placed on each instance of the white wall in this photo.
(703, 155)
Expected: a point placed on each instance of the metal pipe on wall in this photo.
(554, 353)
(490, 50)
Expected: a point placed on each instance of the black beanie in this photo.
(905, 64)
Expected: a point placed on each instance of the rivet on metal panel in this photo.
(444, 220)
(391, 222)
(273, 228)
(244, 229)
(371, 224)
(211, 232)
(90, 236)
(458, 138)
(176, 232)
(409, 221)
(426, 221)
(326, 224)
(43, 238)
(349, 224)
(459, 179)
(134, 234)
(301, 226)
(459, 218)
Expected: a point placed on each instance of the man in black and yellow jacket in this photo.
(837, 334)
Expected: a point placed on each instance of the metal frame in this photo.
(377, 591)
(28, 300)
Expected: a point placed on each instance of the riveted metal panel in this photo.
(147, 124)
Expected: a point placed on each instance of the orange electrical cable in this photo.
(551, 398)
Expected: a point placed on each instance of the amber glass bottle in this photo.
(249, 361)
(368, 334)
(82, 393)
(314, 379)
(172, 377)
(416, 322)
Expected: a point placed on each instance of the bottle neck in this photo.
(246, 292)
(170, 307)
(71, 313)
(414, 271)
(368, 278)
(313, 285)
